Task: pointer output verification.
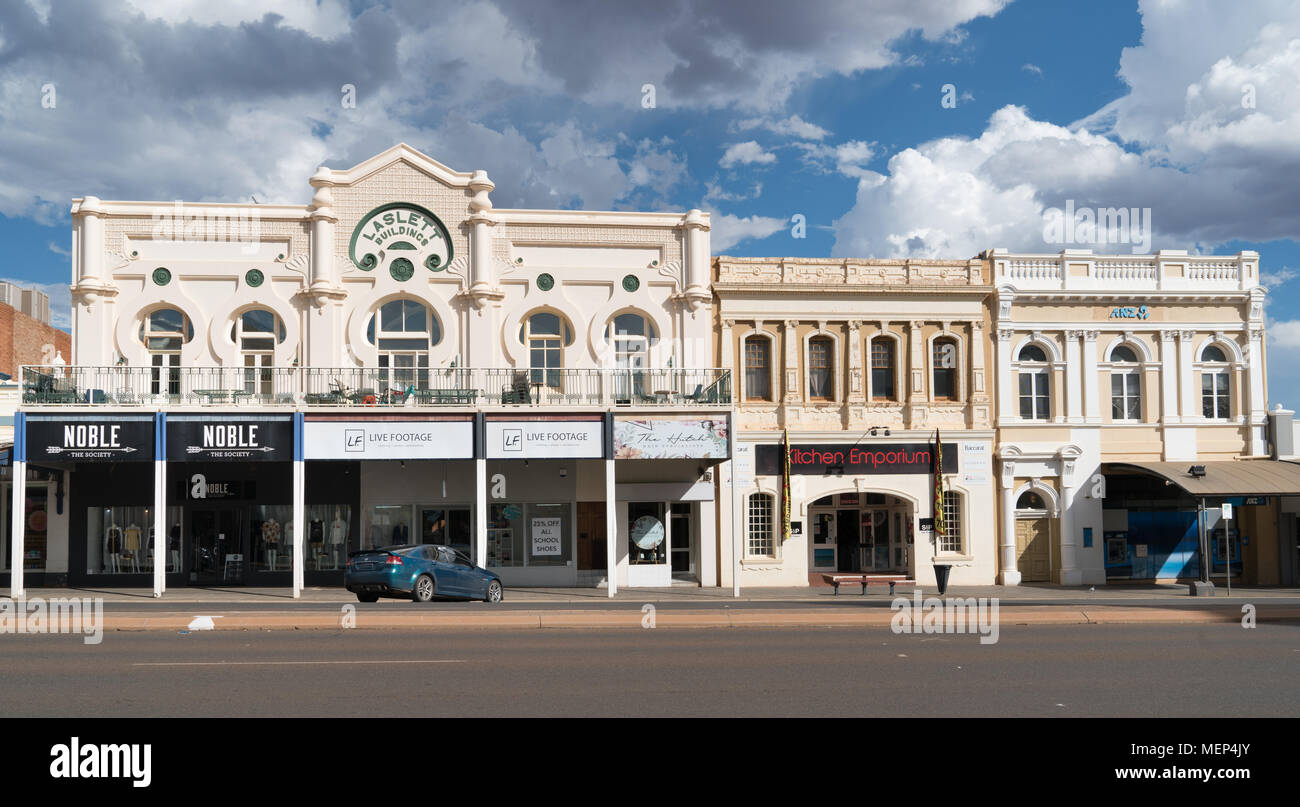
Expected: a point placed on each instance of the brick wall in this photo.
(24, 340)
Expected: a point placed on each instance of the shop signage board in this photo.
(90, 438)
(344, 439)
(543, 439)
(975, 463)
(229, 438)
(547, 539)
(671, 438)
(849, 460)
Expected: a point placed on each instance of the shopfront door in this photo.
(683, 541)
(592, 547)
(846, 541)
(1032, 539)
(823, 540)
(448, 526)
(884, 541)
(218, 552)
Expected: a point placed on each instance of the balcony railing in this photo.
(291, 387)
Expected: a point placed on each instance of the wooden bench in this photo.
(867, 580)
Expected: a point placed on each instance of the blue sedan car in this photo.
(419, 572)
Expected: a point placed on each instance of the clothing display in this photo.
(316, 532)
(400, 533)
(271, 531)
(113, 538)
(132, 543)
(174, 541)
(338, 530)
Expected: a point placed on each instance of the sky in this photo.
(880, 128)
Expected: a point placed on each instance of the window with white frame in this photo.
(256, 333)
(404, 330)
(758, 368)
(545, 334)
(944, 369)
(1125, 384)
(163, 332)
(1216, 384)
(883, 363)
(952, 535)
(821, 368)
(760, 540)
(1035, 383)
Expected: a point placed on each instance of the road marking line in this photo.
(266, 663)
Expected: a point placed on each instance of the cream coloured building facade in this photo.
(862, 362)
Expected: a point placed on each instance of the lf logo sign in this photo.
(354, 440)
(512, 439)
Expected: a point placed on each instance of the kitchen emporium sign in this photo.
(543, 439)
(388, 439)
(670, 438)
(91, 438)
(907, 458)
(228, 438)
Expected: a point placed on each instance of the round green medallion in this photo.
(545, 282)
(401, 269)
(254, 277)
(630, 283)
(162, 276)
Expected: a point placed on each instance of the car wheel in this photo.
(494, 592)
(422, 591)
(368, 597)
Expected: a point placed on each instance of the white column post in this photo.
(18, 509)
(1186, 377)
(611, 528)
(1007, 410)
(1073, 394)
(1069, 573)
(1091, 381)
(480, 512)
(1009, 574)
(1168, 378)
(736, 526)
(1257, 416)
(160, 554)
(299, 496)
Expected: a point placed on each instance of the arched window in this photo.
(1029, 500)
(944, 369)
(256, 333)
(883, 364)
(758, 368)
(760, 539)
(1216, 386)
(545, 335)
(821, 368)
(632, 336)
(1125, 384)
(403, 331)
(1035, 383)
(162, 333)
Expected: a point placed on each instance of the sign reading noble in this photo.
(675, 438)
(388, 439)
(555, 439)
(229, 438)
(910, 458)
(76, 438)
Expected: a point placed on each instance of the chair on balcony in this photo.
(519, 391)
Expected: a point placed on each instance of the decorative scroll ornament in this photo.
(400, 232)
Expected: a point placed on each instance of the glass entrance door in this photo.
(884, 541)
(448, 526)
(217, 552)
(682, 540)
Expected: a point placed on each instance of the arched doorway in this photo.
(1033, 538)
(860, 532)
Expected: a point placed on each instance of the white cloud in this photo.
(1277, 277)
(793, 126)
(727, 230)
(58, 250)
(746, 153)
(1030, 67)
(849, 158)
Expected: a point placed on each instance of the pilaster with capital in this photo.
(790, 336)
(855, 391)
(1091, 379)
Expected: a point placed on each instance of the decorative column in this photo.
(1069, 573)
(1187, 376)
(790, 334)
(1009, 575)
(855, 392)
(611, 528)
(977, 413)
(323, 332)
(1169, 373)
(1073, 394)
(1091, 381)
(698, 271)
(160, 554)
(727, 357)
(916, 408)
(1007, 411)
(480, 512)
(91, 343)
(297, 560)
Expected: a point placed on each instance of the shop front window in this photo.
(120, 539)
(389, 525)
(523, 535)
(329, 528)
(647, 536)
(271, 529)
(35, 526)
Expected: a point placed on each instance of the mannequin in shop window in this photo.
(315, 540)
(174, 548)
(271, 537)
(113, 547)
(132, 545)
(338, 536)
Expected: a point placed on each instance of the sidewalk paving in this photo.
(594, 597)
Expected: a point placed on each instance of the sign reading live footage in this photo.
(91, 438)
(388, 439)
(229, 438)
(676, 438)
(909, 458)
(554, 439)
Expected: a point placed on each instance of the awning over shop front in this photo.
(1222, 478)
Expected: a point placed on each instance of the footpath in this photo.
(192, 608)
